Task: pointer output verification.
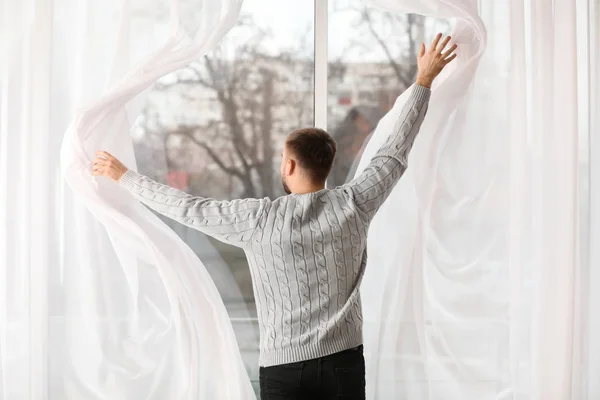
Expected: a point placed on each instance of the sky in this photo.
(289, 20)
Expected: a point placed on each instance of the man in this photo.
(306, 250)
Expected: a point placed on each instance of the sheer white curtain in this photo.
(474, 288)
(591, 363)
(98, 298)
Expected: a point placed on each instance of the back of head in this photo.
(314, 150)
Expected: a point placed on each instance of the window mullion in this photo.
(320, 88)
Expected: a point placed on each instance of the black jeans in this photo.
(337, 376)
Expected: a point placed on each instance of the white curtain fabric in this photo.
(474, 287)
(592, 362)
(99, 299)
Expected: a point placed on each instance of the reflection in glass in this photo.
(371, 62)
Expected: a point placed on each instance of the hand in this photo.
(433, 61)
(107, 165)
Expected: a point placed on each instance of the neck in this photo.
(308, 187)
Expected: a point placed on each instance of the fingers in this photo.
(438, 47)
(104, 154)
(422, 50)
(98, 169)
(99, 166)
(104, 159)
(107, 165)
(435, 42)
(452, 57)
(447, 53)
(103, 170)
(443, 44)
(102, 163)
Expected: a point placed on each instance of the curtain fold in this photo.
(100, 299)
(591, 358)
(474, 288)
(480, 297)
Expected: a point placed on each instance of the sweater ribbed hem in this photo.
(269, 358)
(128, 179)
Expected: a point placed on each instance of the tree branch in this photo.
(395, 66)
(215, 157)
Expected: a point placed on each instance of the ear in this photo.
(291, 167)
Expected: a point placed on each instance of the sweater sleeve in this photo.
(232, 222)
(373, 186)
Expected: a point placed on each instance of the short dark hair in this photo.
(314, 150)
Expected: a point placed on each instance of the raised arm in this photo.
(232, 222)
(373, 186)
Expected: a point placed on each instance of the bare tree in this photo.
(405, 33)
(255, 97)
(259, 97)
(390, 42)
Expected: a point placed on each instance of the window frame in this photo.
(321, 39)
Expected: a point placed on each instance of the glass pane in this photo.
(216, 129)
(371, 61)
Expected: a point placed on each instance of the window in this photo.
(371, 61)
(216, 129)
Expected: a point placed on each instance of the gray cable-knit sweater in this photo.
(307, 252)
